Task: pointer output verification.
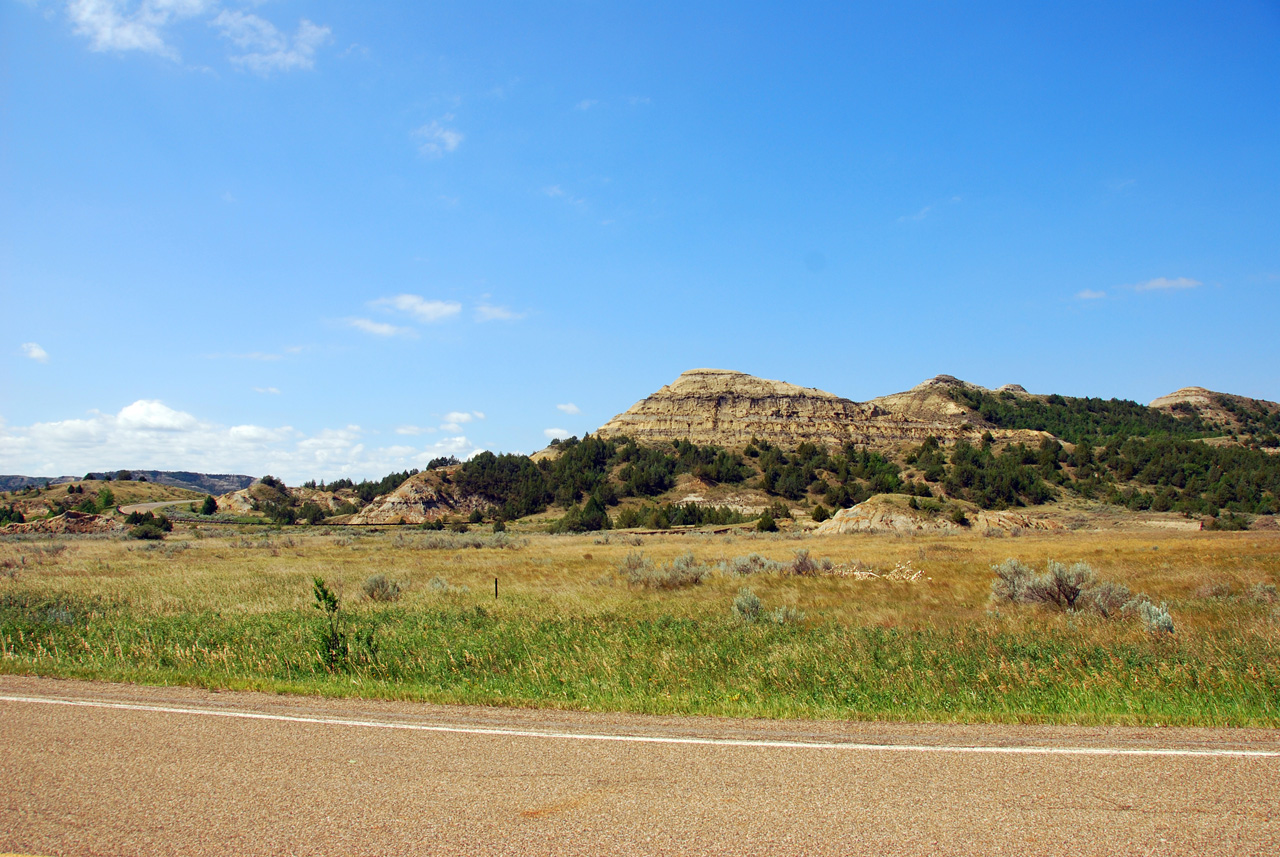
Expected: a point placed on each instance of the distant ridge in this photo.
(207, 483)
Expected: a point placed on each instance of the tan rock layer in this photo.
(716, 406)
(879, 516)
(67, 522)
(423, 497)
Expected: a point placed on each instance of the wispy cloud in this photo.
(414, 430)
(437, 140)
(419, 307)
(554, 433)
(145, 26)
(488, 312)
(569, 408)
(267, 49)
(556, 192)
(585, 104)
(272, 391)
(929, 209)
(917, 217)
(639, 100)
(118, 25)
(34, 352)
(378, 328)
(1090, 295)
(1160, 284)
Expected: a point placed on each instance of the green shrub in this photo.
(820, 513)
(379, 588)
(746, 605)
(766, 524)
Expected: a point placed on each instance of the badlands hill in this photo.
(726, 408)
(1224, 411)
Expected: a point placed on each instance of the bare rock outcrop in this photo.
(728, 408)
(888, 514)
(422, 497)
(78, 523)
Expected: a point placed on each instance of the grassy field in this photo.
(221, 608)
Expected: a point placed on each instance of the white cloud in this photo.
(1166, 284)
(487, 312)
(586, 104)
(1090, 295)
(269, 390)
(378, 328)
(414, 430)
(150, 435)
(569, 408)
(437, 140)
(419, 307)
(455, 420)
(120, 25)
(268, 49)
(35, 352)
(553, 433)
(639, 100)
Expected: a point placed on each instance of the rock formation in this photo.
(888, 514)
(422, 497)
(67, 522)
(717, 406)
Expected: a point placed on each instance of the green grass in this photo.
(1054, 669)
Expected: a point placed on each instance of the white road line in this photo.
(1025, 750)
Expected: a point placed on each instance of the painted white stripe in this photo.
(1029, 750)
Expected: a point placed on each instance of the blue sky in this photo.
(327, 239)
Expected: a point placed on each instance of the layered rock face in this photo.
(717, 406)
(67, 522)
(886, 515)
(420, 498)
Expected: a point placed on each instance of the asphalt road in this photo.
(91, 768)
(151, 507)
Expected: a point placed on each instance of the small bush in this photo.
(1073, 588)
(1106, 598)
(443, 587)
(1156, 619)
(1264, 593)
(802, 564)
(147, 532)
(786, 616)
(821, 513)
(766, 524)
(746, 605)
(745, 566)
(958, 517)
(637, 570)
(379, 588)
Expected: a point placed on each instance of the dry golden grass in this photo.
(225, 569)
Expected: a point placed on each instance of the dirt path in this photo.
(93, 768)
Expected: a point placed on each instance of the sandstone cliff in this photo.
(728, 408)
